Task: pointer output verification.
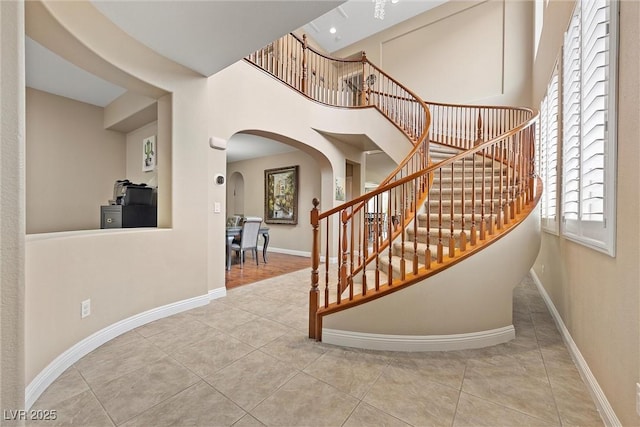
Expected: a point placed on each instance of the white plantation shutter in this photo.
(548, 154)
(589, 60)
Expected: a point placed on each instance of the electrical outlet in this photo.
(85, 308)
(638, 398)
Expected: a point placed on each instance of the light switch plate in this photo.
(85, 308)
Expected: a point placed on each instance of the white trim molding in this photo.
(288, 252)
(418, 342)
(61, 363)
(602, 404)
(217, 293)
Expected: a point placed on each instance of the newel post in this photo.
(304, 64)
(315, 261)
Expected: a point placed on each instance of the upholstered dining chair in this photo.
(234, 221)
(248, 239)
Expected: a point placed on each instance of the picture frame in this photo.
(340, 191)
(281, 195)
(149, 152)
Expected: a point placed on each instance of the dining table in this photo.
(234, 231)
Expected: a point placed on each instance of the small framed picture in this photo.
(149, 153)
(340, 193)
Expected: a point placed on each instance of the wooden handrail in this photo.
(496, 147)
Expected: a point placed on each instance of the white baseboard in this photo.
(288, 252)
(602, 404)
(332, 260)
(217, 293)
(61, 363)
(418, 342)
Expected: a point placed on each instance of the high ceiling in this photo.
(355, 20)
(208, 35)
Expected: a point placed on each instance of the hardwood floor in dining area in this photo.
(277, 265)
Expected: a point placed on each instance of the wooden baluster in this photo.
(390, 251)
(500, 218)
(363, 98)
(415, 233)
(365, 250)
(463, 234)
(474, 231)
(492, 217)
(457, 119)
(532, 156)
(342, 259)
(427, 252)
(402, 236)
(507, 210)
(326, 266)
(376, 246)
(315, 261)
(304, 84)
(519, 180)
(483, 224)
(452, 241)
(351, 256)
(440, 254)
(514, 179)
(479, 130)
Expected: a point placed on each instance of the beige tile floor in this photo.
(244, 360)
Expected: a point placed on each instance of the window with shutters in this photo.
(589, 125)
(548, 154)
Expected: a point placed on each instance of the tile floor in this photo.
(244, 360)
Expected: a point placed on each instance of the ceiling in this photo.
(355, 20)
(197, 34)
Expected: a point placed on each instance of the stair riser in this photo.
(434, 235)
(446, 223)
(468, 181)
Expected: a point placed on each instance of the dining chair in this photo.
(248, 239)
(234, 221)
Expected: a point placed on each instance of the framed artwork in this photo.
(149, 153)
(340, 193)
(281, 195)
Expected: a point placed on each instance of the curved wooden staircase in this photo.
(468, 181)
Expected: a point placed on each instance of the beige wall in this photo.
(12, 208)
(294, 238)
(462, 52)
(163, 266)
(72, 163)
(598, 296)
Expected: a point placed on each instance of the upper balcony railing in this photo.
(349, 83)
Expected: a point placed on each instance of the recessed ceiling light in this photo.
(332, 30)
(394, 1)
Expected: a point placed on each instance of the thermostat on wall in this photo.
(219, 179)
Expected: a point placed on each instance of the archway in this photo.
(235, 194)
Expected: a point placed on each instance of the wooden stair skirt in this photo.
(468, 305)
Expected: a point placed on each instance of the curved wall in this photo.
(123, 272)
(469, 297)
